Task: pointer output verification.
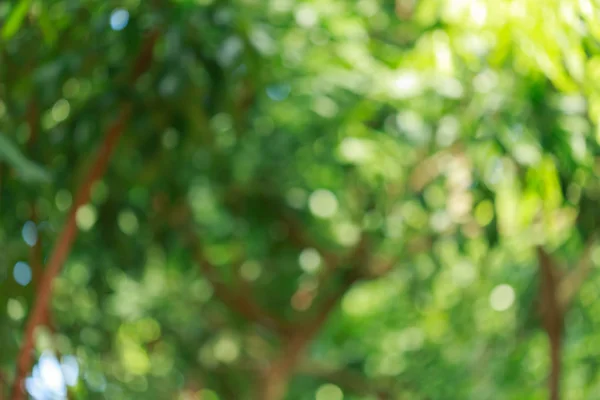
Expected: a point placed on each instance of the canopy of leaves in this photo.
(366, 179)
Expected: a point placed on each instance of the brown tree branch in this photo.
(552, 318)
(36, 261)
(68, 234)
(61, 251)
(278, 374)
(299, 237)
(36, 258)
(556, 293)
(239, 301)
(297, 337)
(332, 260)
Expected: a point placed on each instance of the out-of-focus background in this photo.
(279, 199)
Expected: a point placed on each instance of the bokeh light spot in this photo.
(95, 380)
(15, 309)
(86, 217)
(323, 203)
(50, 376)
(250, 270)
(128, 222)
(30, 233)
(440, 221)
(347, 234)
(448, 130)
(360, 302)
(119, 19)
(296, 198)
(306, 16)
(226, 349)
(502, 297)
(463, 273)
(70, 370)
(61, 110)
(168, 85)
(325, 107)
(329, 392)
(407, 84)
(278, 92)
(485, 81)
(230, 50)
(222, 122)
(22, 273)
(63, 200)
(484, 212)
(309, 260)
(355, 150)
(134, 358)
(201, 290)
(71, 88)
(206, 394)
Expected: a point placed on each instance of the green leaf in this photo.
(26, 169)
(15, 19)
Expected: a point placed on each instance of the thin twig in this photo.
(69, 232)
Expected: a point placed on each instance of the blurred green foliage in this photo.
(452, 136)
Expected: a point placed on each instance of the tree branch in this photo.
(556, 293)
(278, 374)
(351, 381)
(571, 283)
(552, 318)
(240, 302)
(68, 234)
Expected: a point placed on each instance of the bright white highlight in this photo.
(323, 203)
(119, 19)
(309, 260)
(50, 378)
(502, 297)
